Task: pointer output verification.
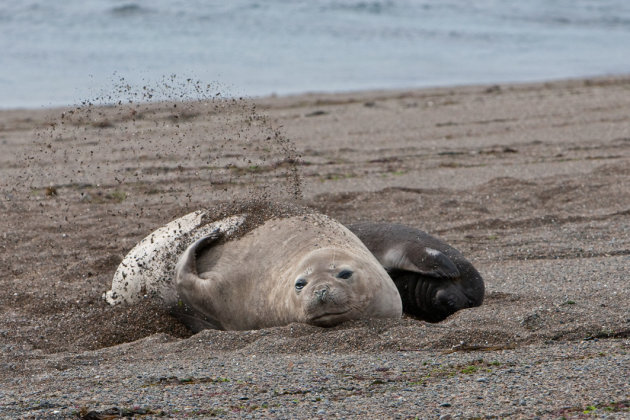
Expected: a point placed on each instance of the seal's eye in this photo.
(299, 284)
(344, 274)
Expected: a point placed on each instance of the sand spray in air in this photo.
(137, 150)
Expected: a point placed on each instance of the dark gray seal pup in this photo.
(306, 268)
(434, 279)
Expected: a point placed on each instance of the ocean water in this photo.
(64, 52)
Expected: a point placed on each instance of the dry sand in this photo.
(531, 182)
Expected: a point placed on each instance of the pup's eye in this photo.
(344, 274)
(300, 283)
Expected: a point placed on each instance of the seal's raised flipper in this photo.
(187, 264)
(196, 292)
(423, 260)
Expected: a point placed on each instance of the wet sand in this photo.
(530, 182)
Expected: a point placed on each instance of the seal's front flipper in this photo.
(426, 261)
(194, 320)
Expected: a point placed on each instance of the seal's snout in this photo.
(322, 293)
(451, 300)
(444, 300)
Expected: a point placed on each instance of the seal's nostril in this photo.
(321, 293)
(446, 301)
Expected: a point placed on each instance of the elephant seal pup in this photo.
(149, 268)
(434, 279)
(306, 268)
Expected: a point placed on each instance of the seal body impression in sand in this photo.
(307, 268)
(433, 278)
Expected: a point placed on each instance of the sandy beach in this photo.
(531, 182)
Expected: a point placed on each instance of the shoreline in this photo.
(372, 93)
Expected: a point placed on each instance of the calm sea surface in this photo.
(63, 52)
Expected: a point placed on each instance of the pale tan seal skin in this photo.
(149, 268)
(308, 269)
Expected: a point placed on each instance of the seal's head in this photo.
(333, 285)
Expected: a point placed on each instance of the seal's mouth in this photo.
(329, 318)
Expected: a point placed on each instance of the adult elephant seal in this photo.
(307, 268)
(433, 278)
